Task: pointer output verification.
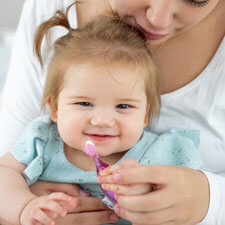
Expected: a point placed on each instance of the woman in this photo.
(187, 37)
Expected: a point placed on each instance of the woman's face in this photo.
(160, 20)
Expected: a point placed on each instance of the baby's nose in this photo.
(102, 121)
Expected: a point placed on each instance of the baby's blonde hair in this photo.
(108, 40)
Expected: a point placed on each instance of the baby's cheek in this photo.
(131, 138)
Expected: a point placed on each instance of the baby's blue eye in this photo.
(123, 106)
(86, 104)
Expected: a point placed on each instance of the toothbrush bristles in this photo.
(90, 149)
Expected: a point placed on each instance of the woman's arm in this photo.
(215, 214)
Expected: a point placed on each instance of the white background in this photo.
(10, 11)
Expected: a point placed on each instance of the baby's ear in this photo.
(53, 108)
(147, 116)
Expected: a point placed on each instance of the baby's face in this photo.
(106, 105)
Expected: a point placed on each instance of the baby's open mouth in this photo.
(101, 137)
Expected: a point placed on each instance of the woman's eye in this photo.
(197, 3)
(123, 106)
(86, 104)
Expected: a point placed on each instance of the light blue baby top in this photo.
(41, 149)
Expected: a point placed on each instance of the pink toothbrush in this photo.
(100, 165)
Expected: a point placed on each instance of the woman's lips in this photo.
(151, 36)
(98, 137)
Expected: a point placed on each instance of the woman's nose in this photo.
(102, 120)
(160, 13)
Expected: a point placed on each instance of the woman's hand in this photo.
(45, 188)
(124, 189)
(180, 195)
(89, 210)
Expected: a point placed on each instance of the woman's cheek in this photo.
(127, 7)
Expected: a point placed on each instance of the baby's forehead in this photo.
(120, 73)
(92, 80)
(134, 69)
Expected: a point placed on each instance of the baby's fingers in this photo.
(40, 217)
(62, 197)
(135, 189)
(51, 207)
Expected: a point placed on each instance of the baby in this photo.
(102, 86)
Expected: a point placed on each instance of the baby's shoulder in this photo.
(40, 128)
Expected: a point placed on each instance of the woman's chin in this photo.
(156, 44)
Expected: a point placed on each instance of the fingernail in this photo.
(113, 217)
(117, 177)
(83, 193)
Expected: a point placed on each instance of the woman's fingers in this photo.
(127, 163)
(164, 216)
(152, 201)
(154, 174)
(134, 189)
(88, 218)
(182, 198)
(110, 169)
(45, 188)
(88, 204)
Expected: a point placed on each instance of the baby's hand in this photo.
(44, 209)
(110, 180)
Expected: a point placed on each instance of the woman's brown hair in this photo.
(108, 39)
